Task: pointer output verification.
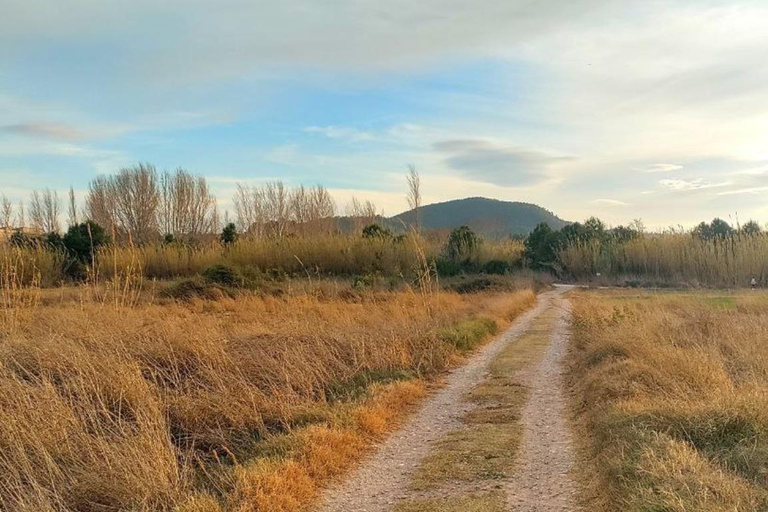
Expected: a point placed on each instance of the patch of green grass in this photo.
(467, 334)
(722, 302)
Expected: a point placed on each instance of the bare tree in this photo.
(21, 219)
(100, 204)
(277, 207)
(414, 194)
(363, 213)
(6, 211)
(250, 209)
(187, 208)
(72, 207)
(136, 198)
(44, 210)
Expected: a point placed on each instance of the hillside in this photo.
(490, 217)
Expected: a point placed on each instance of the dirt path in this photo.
(542, 480)
(382, 481)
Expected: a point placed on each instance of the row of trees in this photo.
(544, 243)
(141, 204)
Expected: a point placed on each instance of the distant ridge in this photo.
(490, 217)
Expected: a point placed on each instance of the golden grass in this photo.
(673, 258)
(321, 255)
(227, 405)
(672, 398)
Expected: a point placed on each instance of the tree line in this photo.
(140, 205)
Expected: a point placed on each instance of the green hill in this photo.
(489, 217)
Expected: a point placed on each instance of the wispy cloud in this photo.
(680, 185)
(653, 168)
(53, 131)
(609, 202)
(341, 133)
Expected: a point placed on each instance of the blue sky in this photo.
(651, 110)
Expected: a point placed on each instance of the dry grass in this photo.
(672, 400)
(246, 404)
(323, 255)
(481, 502)
(672, 259)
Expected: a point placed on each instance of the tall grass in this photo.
(673, 397)
(325, 255)
(247, 404)
(675, 258)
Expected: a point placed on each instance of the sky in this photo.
(626, 109)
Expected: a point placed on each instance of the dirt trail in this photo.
(542, 480)
(382, 481)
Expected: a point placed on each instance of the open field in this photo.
(671, 395)
(251, 403)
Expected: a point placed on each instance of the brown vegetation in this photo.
(246, 404)
(672, 397)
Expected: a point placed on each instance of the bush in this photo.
(447, 268)
(187, 289)
(498, 267)
(376, 231)
(224, 275)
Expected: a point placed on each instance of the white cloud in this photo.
(341, 133)
(695, 184)
(653, 168)
(609, 202)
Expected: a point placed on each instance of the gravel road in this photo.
(382, 480)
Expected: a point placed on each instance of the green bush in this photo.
(497, 267)
(224, 275)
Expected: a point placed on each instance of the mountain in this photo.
(489, 217)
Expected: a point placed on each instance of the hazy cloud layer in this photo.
(490, 162)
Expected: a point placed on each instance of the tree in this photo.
(136, 200)
(541, 247)
(72, 207)
(462, 245)
(187, 209)
(414, 194)
(716, 230)
(229, 234)
(44, 210)
(6, 211)
(83, 240)
(751, 228)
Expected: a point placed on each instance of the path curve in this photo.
(382, 480)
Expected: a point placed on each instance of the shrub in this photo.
(498, 267)
(194, 288)
(376, 231)
(224, 275)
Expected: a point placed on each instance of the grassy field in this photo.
(245, 402)
(672, 393)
